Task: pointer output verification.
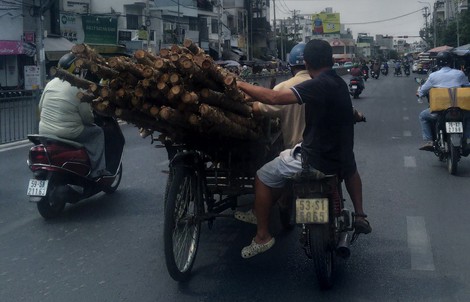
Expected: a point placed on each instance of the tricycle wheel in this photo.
(182, 227)
(323, 254)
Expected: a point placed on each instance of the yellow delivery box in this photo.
(443, 98)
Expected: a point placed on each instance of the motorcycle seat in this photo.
(310, 174)
(44, 138)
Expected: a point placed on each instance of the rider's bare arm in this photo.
(268, 96)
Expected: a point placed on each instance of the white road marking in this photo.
(406, 118)
(410, 162)
(406, 133)
(15, 145)
(419, 244)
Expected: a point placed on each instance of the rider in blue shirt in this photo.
(445, 77)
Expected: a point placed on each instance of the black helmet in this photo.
(444, 58)
(67, 62)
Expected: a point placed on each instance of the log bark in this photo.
(232, 90)
(85, 97)
(192, 47)
(83, 50)
(100, 70)
(223, 126)
(219, 99)
(122, 64)
(75, 81)
(144, 57)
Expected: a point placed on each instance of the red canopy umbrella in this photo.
(438, 49)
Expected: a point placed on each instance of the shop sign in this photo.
(100, 30)
(29, 36)
(32, 77)
(11, 47)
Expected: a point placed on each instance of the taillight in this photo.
(37, 155)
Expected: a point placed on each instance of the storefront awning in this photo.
(55, 48)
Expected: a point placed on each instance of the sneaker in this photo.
(428, 146)
(248, 216)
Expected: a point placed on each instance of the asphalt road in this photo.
(109, 247)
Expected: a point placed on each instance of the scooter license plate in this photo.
(37, 187)
(311, 210)
(354, 86)
(454, 127)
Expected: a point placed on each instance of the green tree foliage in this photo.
(446, 32)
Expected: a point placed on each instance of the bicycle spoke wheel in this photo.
(181, 225)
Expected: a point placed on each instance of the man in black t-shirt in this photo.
(327, 145)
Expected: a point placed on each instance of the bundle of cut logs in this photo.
(181, 93)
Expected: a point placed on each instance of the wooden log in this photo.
(101, 71)
(149, 72)
(106, 93)
(164, 64)
(103, 107)
(219, 99)
(232, 90)
(173, 117)
(192, 47)
(85, 97)
(223, 126)
(144, 57)
(75, 81)
(163, 88)
(85, 51)
(244, 121)
(123, 64)
(190, 97)
(197, 75)
(175, 79)
(175, 92)
(164, 53)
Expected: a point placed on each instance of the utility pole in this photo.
(220, 33)
(147, 23)
(41, 55)
(282, 40)
(274, 25)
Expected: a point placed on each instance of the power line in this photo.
(384, 20)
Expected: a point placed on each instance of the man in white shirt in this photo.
(63, 115)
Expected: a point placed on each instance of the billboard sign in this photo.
(326, 23)
(100, 30)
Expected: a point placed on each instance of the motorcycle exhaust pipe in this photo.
(342, 248)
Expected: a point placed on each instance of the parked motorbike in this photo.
(355, 87)
(61, 169)
(448, 133)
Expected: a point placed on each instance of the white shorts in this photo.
(274, 173)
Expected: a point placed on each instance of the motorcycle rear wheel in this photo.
(453, 159)
(323, 254)
(51, 206)
(181, 227)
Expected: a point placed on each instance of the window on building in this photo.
(132, 21)
(193, 24)
(214, 26)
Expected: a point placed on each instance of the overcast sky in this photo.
(406, 15)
